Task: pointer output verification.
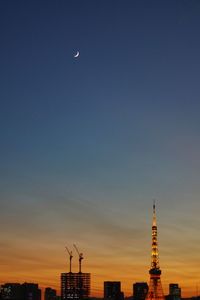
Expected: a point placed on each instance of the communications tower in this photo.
(155, 288)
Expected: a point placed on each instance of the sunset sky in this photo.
(88, 142)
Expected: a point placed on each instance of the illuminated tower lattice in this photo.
(155, 288)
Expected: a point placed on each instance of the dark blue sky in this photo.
(117, 126)
(135, 82)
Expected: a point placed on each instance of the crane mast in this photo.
(80, 257)
(70, 259)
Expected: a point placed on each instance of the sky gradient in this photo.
(87, 143)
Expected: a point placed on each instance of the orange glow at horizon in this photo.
(112, 250)
(46, 272)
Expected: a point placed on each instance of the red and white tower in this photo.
(155, 288)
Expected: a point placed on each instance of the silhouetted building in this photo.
(193, 298)
(17, 291)
(31, 291)
(112, 290)
(140, 290)
(174, 292)
(50, 294)
(11, 291)
(75, 285)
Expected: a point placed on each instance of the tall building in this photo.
(112, 290)
(174, 292)
(155, 291)
(140, 290)
(50, 294)
(75, 285)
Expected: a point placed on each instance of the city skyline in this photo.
(88, 141)
(98, 292)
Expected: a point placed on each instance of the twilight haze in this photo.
(88, 142)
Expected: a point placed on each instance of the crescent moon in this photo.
(77, 54)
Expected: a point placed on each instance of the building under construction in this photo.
(75, 285)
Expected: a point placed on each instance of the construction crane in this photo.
(70, 259)
(80, 257)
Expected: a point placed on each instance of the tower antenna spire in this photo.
(155, 288)
(154, 213)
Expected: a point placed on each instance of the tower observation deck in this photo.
(155, 288)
